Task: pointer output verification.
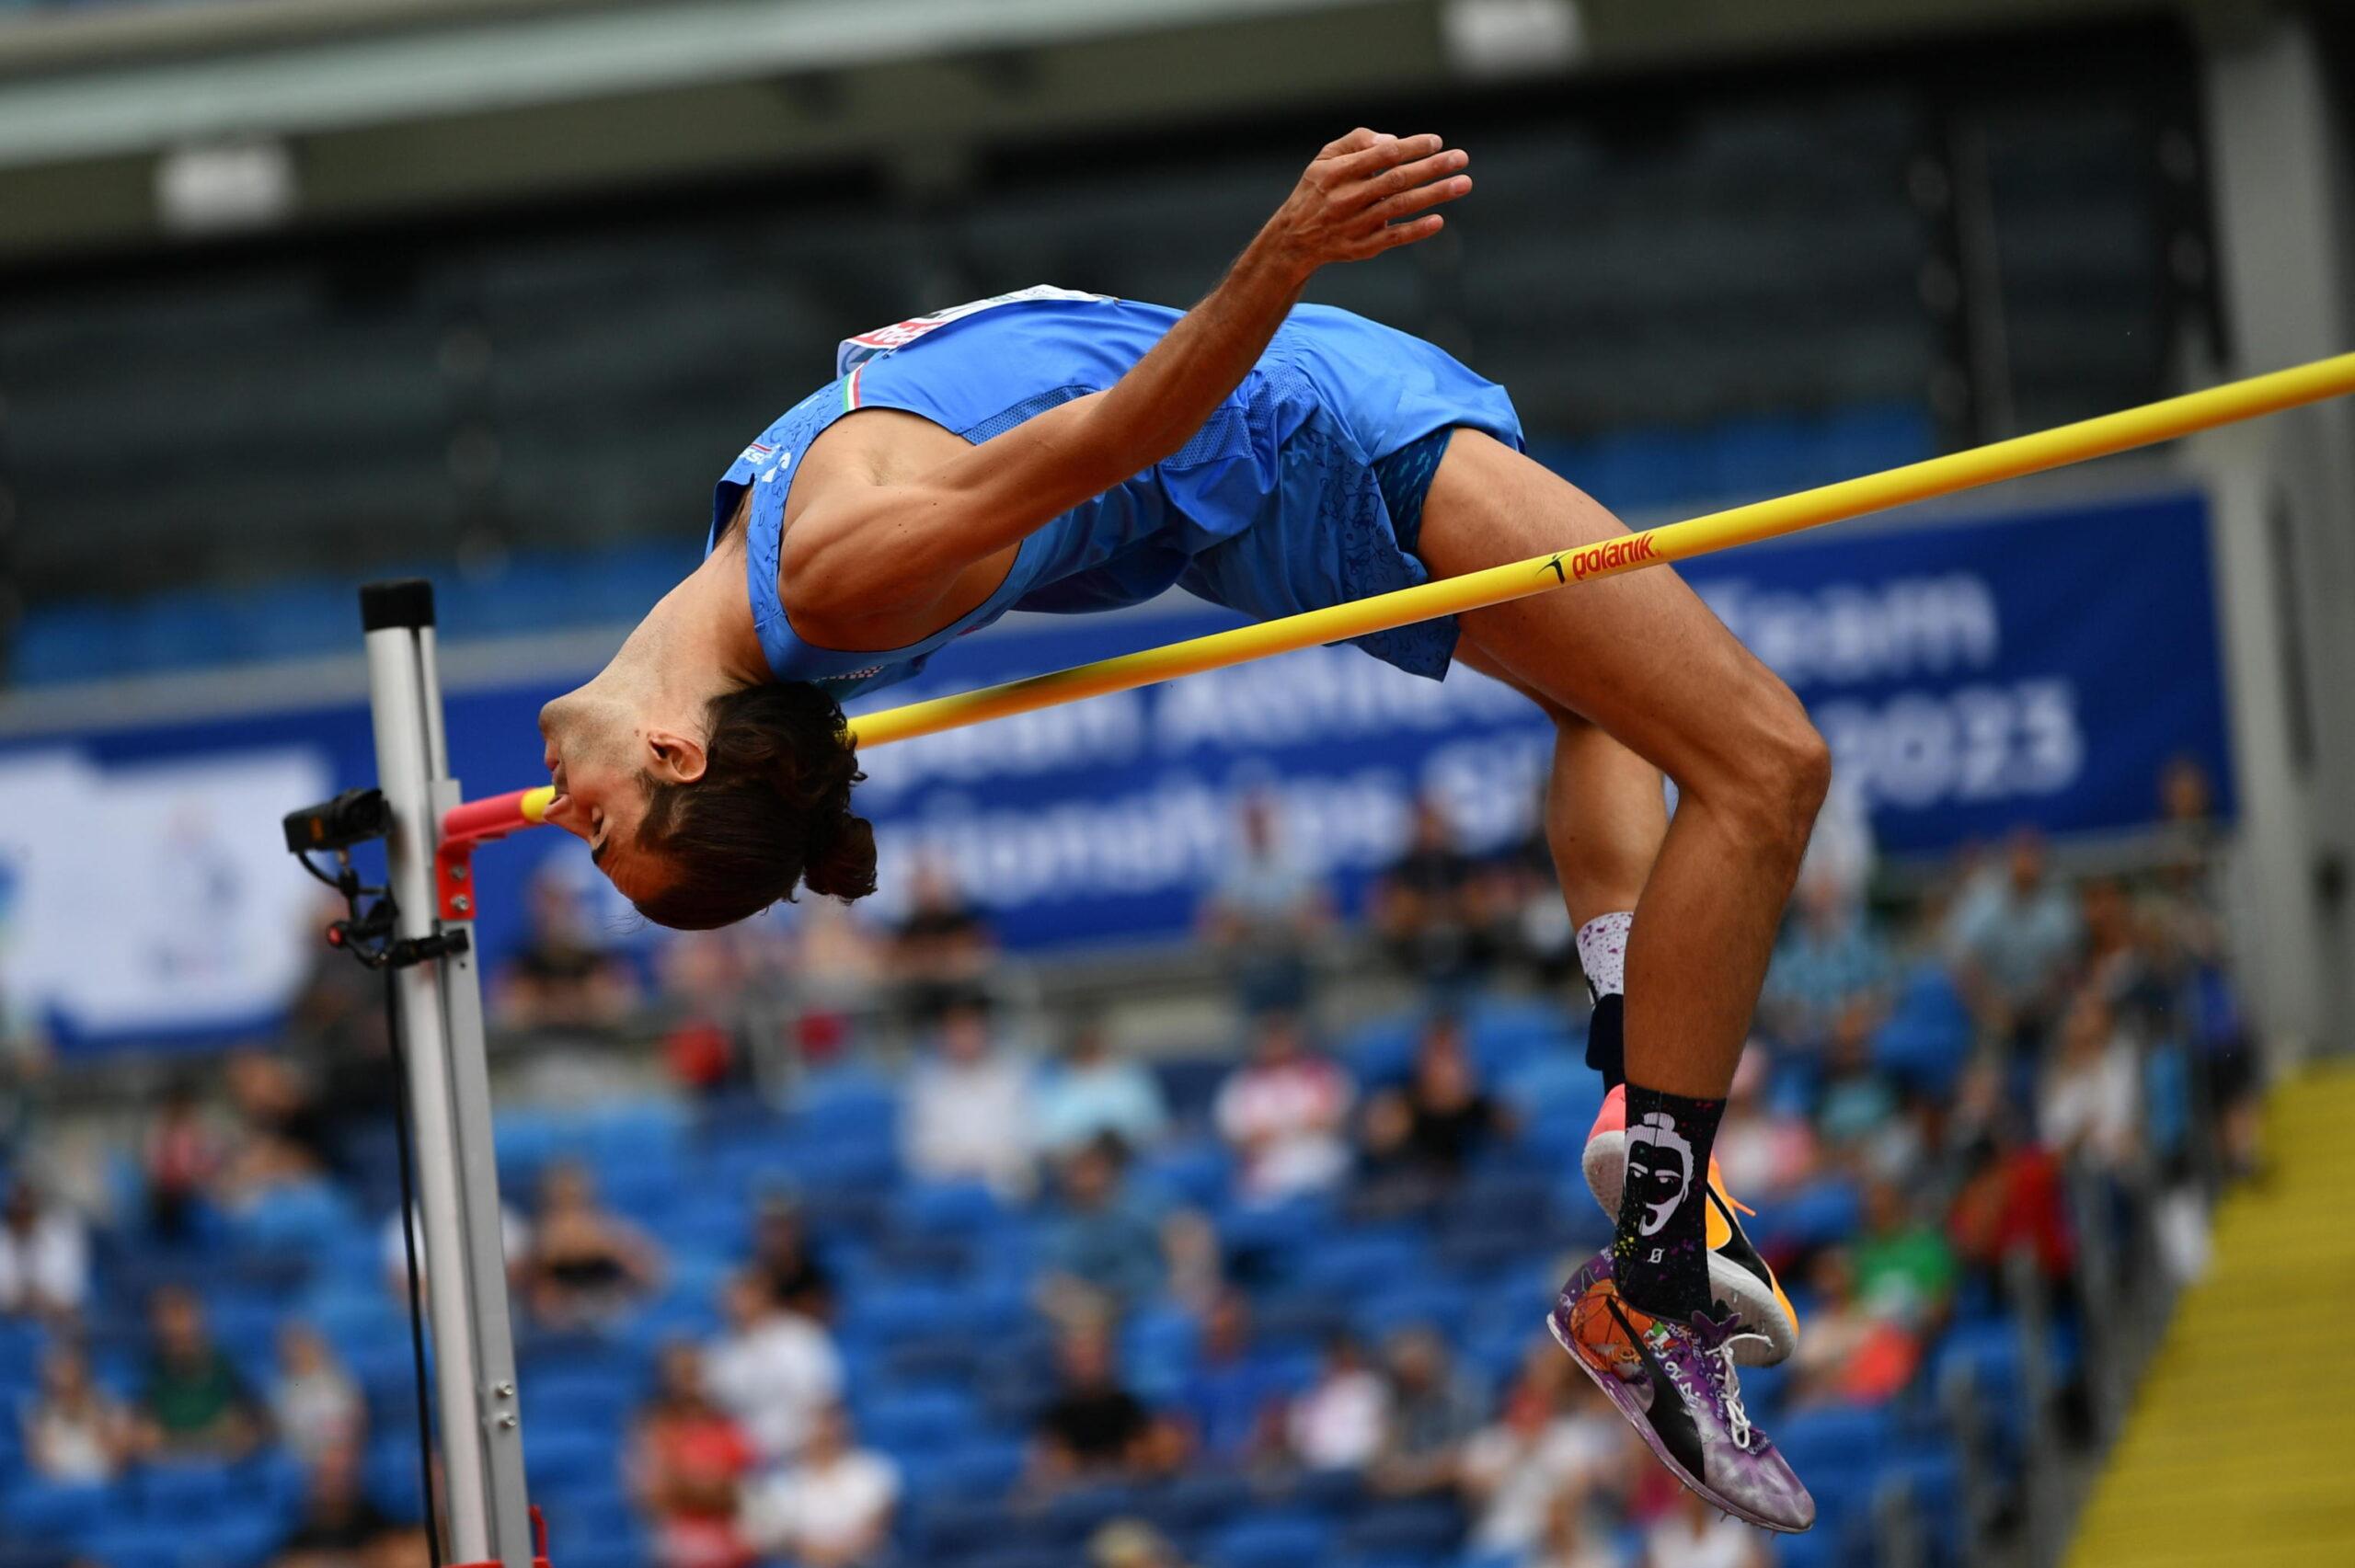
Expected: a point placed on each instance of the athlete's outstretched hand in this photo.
(1367, 193)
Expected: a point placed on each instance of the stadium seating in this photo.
(947, 1361)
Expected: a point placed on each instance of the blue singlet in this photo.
(1278, 505)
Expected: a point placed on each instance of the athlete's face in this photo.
(593, 757)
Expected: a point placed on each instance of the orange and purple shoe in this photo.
(1739, 1278)
(1676, 1384)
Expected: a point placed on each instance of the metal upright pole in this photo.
(487, 1514)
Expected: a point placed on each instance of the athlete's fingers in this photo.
(1391, 183)
(1422, 196)
(1390, 236)
(1355, 141)
(1388, 151)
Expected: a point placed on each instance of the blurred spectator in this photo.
(1233, 1400)
(281, 1136)
(1534, 922)
(1831, 973)
(1127, 1543)
(838, 964)
(337, 1029)
(2115, 962)
(702, 977)
(1433, 1412)
(1905, 1268)
(833, 1508)
(1434, 1125)
(587, 1266)
(1094, 1091)
(967, 1112)
(1694, 1535)
(2090, 1107)
(339, 1526)
(404, 1546)
(1103, 1247)
(1852, 1353)
(182, 1155)
(2014, 933)
(2010, 1200)
(1429, 907)
(1762, 1148)
(1856, 1099)
(45, 1256)
(24, 1063)
(942, 948)
(1196, 1260)
(1575, 1537)
(2187, 931)
(1342, 1420)
(317, 1408)
(1265, 915)
(1284, 1112)
(776, 1371)
(789, 1268)
(74, 1432)
(1095, 1427)
(688, 1460)
(1551, 1434)
(196, 1406)
(563, 976)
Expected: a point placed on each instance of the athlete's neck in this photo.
(697, 642)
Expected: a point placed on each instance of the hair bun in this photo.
(842, 857)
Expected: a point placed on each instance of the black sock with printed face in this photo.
(1659, 1255)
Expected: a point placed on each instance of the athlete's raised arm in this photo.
(859, 551)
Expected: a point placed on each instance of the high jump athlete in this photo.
(1052, 451)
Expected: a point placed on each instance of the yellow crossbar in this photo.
(2058, 447)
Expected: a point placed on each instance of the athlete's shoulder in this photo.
(856, 350)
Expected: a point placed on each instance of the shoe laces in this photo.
(1715, 1336)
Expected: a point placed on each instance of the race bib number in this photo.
(857, 351)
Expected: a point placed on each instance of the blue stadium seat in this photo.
(948, 1527)
(1198, 1173)
(1816, 1216)
(1418, 1529)
(568, 1459)
(979, 1466)
(1021, 1557)
(1927, 1037)
(1415, 1302)
(1837, 1448)
(915, 1427)
(182, 1491)
(1382, 1050)
(1200, 1501)
(58, 1511)
(961, 1209)
(1271, 1540)
(1355, 1265)
(129, 1543)
(1512, 1034)
(1075, 1515)
(579, 1394)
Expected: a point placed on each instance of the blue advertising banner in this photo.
(2037, 667)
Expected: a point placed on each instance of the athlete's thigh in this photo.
(1638, 655)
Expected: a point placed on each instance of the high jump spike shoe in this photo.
(1739, 1278)
(1675, 1385)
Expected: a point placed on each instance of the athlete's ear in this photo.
(674, 756)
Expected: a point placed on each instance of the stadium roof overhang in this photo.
(386, 107)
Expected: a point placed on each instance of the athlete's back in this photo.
(1275, 505)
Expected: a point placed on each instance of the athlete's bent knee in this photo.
(1782, 775)
(1800, 776)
